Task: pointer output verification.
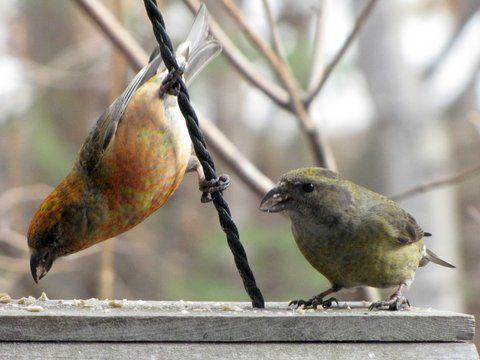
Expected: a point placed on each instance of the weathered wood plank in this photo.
(303, 351)
(225, 322)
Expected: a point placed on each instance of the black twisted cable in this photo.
(199, 145)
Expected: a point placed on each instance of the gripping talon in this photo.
(328, 303)
(296, 304)
(171, 83)
(317, 300)
(377, 305)
(400, 304)
(208, 187)
(313, 303)
(393, 304)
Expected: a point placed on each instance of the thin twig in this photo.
(21, 194)
(11, 264)
(474, 214)
(225, 149)
(251, 176)
(277, 63)
(276, 39)
(359, 22)
(317, 70)
(115, 32)
(320, 146)
(466, 10)
(449, 180)
(273, 58)
(14, 239)
(318, 56)
(276, 93)
(296, 105)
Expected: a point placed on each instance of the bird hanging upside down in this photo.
(351, 235)
(130, 164)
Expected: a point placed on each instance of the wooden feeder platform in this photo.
(94, 329)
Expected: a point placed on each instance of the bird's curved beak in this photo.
(40, 264)
(275, 200)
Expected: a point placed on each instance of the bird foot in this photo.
(394, 303)
(313, 303)
(207, 187)
(171, 84)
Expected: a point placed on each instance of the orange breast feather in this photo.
(145, 162)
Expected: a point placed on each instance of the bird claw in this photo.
(297, 304)
(393, 304)
(207, 187)
(313, 303)
(171, 84)
(329, 302)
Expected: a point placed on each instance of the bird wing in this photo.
(397, 223)
(194, 54)
(104, 130)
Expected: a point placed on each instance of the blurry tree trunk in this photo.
(412, 144)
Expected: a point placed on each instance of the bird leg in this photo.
(171, 85)
(394, 303)
(317, 300)
(207, 187)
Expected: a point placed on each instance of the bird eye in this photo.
(45, 257)
(308, 187)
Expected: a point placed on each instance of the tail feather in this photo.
(154, 54)
(431, 256)
(199, 48)
(199, 31)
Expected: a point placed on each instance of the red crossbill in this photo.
(130, 164)
(351, 235)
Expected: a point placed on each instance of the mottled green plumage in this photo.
(350, 234)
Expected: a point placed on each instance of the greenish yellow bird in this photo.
(132, 161)
(351, 235)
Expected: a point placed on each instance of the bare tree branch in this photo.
(21, 194)
(224, 148)
(474, 119)
(241, 63)
(229, 153)
(466, 10)
(276, 40)
(277, 63)
(115, 32)
(296, 106)
(10, 264)
(449, 180)
(318, 56)
(14, 239)
(359, 22)
(474, 214)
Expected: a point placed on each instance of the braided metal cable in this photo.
(206, 161)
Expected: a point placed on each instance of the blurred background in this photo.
(400, 109)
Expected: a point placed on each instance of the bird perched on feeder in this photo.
(132, 161)
(351, 235)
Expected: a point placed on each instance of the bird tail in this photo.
(199, 48)
(431, 256)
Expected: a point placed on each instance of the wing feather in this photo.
(398, 223)
(104, 130)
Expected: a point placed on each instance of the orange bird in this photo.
(130, 164)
